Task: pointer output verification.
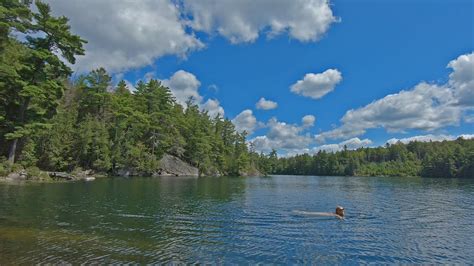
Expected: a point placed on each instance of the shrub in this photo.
(36, 174)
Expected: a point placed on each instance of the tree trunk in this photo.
(11, 154)
(13, 146)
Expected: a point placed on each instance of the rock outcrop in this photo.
(17, 176)
(251, 172)
(76, 175)
(169, 165)
(61, 175)
(173, 166)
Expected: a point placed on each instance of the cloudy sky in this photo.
(297, 75)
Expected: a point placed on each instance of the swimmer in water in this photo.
(338, 214)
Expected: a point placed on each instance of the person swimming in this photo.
(339, 213)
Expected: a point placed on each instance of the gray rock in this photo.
(173, 166)
(61, 175)
(127, 172)
(13, 176)
(85, 175)
(23, 174)
(251, 172)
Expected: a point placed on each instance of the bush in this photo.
(28, 155)
(36, 174)
(77, 171)
(3, 171)
(5, 167)
(16, 167)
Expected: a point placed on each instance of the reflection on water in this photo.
(236, 220)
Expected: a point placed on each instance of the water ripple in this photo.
(239, 221)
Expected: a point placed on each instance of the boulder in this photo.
(173, 166)
(61, 175)
(85, 175)
(127, 172)
(251, 172)
(14, 176)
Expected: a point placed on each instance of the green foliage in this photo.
(31, 72)
(36, 174)
(448, 159)
(4, 167)
(110, 129)
(47, 122)
(28, 155)
(92, 144)
(15, 168)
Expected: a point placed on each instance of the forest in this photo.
(446, 159)
(52, 122)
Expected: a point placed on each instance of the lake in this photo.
(238, 220)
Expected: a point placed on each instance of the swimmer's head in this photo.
(340, 211)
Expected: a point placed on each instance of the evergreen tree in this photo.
(33, 75)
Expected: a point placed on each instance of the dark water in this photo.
(237, 220)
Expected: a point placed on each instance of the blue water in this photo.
(238, 220)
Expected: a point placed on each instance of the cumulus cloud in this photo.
(466, 136)
(429, 137)
(126, 34)
(183, 85)
(294, 142)
(317, 85)
(425, 107)
(213, 108)
(462, 79)
(282, 136)
(265, 104)
(308, 120)
(421, 138)
(244, 20)
(350, 144)
(245, 121)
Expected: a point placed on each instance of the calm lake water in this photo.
(238, 220)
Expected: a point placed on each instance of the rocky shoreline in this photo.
(169, 166)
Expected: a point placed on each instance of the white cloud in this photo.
(462, 79)
(213, 87)
(428, 138)
(308, 120)
(469, 118)
(317, 85)
(350, 144)
(283, 137)
(245, 121)
(130, 86)
(126, 34)
(265, 104)
(244, 20)
(425, 107)
(184, 85)
(213, 108)
(466, 136)
(421, 138)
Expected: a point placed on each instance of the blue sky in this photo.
(377, 47)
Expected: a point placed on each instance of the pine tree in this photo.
(34, 82)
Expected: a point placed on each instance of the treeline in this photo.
(448, 159)
(51, 122)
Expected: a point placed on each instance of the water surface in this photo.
(237, 220)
